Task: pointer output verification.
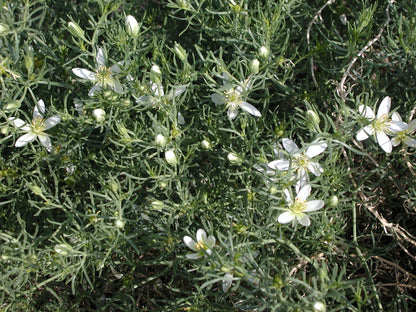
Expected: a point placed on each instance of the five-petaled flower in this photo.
(203, 245)
(233, 97)
(380, 125)
(301, 160)
(37, 128)
(296, 208)
(403, 136)
(103, 76)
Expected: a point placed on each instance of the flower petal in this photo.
(366, 111)
(194, 256)
(94, 89)
(25, 139)
(84, 73)
(384, 108)
(396, 126)
(45, 140)
(315, 168)
(181, 120)
(280, 164)
(395, 141)
(290, 146)
(314, 205)
(232, 113)
(409, 142)
(286, 217)
(115, 68)
(52, 122)
(396, 116)
(304, 192)
(201, 236)
(19, 123)
(175, 92)
(218, 99)
(304, 219)
(210, 241)
(100, 59)
(117, 87)
(289, 199)
(190, 243)
(384, 141)
(227, 281)
(316, 149)
(39, 110)
(249, 109)
(362, 135)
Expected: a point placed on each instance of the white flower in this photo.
(233, 98)
(132, 26)
(301, 160)
(158, 96)
(103, 76)
(298, 207)
(37, 127)
(203, 245)
(380, 125)
(403, 136)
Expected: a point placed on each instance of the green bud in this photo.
(313, 119)
(113, 185)
(4, 130)
(332, 201)
(11, 107)
(29, 62)
(35, 189)
(3, 29)
(254, 66)
(273, 190)
(75, 30)
(156, 74)
(233, 158)
(160, 140)
(319, 306)
(99, 114)
(63, 249)
(206, 144)
(157, 205)
(171, 157)
(263, 52)
(163, 184)
(180, 52)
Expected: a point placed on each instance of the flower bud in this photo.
(319, 307)
(233, 158)
(332, 201)
(180, 52)
(3, 28)
(263, 52)
(4, 130)
(75, 30)
(206, 144)
(132, 26)
(171, 157)
(11, 107)
(157, 205)
(29, 62)
(119, 223)
(254, 66)
(313, 119)
(156, 74)
(99, 114)
(160, 140)
(273, 190)
(63, 249)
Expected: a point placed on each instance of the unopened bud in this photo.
(332, 201)
(11, 107)
(254, 66)
(119, 223)
(63, 249)
(171, 157)
(29, 62)
(132, 26)
(3, 28)
(233, 158)
(160, 140)
(156, 74)
(263, 52)
(99, 114)
(157, 205)
(180, 52)
(313, 119)
(206, 144)
(319, 307)
(75, 30)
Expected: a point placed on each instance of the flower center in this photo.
(38, 125)
(232, 97)
(103, 74)
(298, 206)
(301, 161)
(382, 123)
(200, 246)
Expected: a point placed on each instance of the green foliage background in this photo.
(98, 222)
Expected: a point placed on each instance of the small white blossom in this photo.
(103, 76)
(301, 160)
(403, 136)
(296, 208)
(381, 125)
(37, 128)
(203, 245)
(233, 98)
(157, 96)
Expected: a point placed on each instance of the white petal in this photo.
(84, 73)
(52, 122)
(288, 196)
(395, 141)
(232, 113)
(18, 123)
(303, 180)
(39, 110)
(410, 142)
(304, 220)
(94, 89)
(117, 87)
(290, 146)
(315, 168)
(45, 140)
(396, 117)
(115, 69)
(175, 92)
(194, 256)
(316, 149)
(384, 141)
(157, 89)
(280, 164)
(25, 139)
(396, 126)
(366, 111)
(210, 241)
(218, 99)
(181, 120)
(304, 192)
(100, 57)
(384, 107)
(201, 235)
(250, 109)
(286, 217)
(189, 242)
(314, 205)
(227, 281)
(362, 135)
(411, 126)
